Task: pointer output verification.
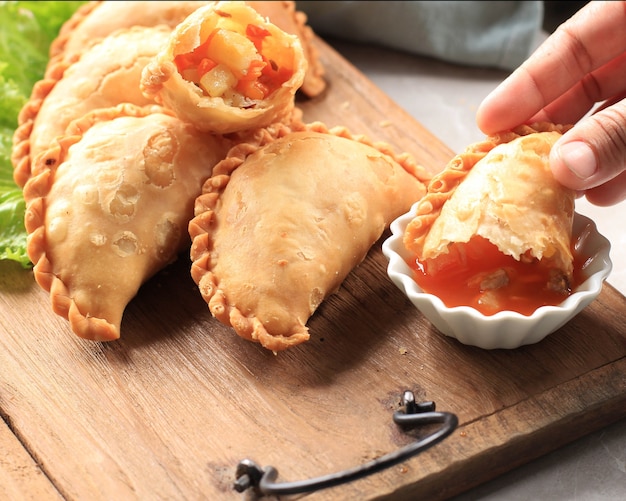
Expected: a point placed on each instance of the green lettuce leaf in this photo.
(26, 31)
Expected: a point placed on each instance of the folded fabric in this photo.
(498, 34)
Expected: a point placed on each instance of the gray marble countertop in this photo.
(444, 99)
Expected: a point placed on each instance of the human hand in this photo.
(581, 64)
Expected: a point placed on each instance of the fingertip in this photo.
(502, 108)
(573, 164)
(482, 121)
(487, 114)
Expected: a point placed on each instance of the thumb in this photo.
(592, 155)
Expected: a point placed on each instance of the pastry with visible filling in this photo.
(285, 15)
(109, 207)
(285, 219)
(494, 230)
(106, 74)
(226, 69)
(98, 19)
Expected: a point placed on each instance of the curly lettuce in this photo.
(26, 31)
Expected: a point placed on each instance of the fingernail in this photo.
(578, 158)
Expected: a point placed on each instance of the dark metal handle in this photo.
(263, 480)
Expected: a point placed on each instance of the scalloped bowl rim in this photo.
(458, 321)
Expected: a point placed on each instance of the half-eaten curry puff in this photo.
(494, 230)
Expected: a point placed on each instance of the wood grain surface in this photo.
(169, 410)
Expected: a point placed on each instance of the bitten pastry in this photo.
(227, 69)
(501, 194)
(282, 222)
(109, 207)
(107, 74)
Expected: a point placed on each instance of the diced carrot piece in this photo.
(252, 89)
(193, 58)
(255, 70)
(256, 34)
(184, 61)
(205, 66)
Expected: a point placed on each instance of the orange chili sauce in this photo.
(450, 277)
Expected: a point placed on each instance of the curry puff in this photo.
(226, 69)
(282, 222)
(498, 198)
(96, 20)
(107, 74)
(109, 207)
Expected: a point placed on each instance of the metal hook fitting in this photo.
(263, 480)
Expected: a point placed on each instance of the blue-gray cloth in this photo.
(499, 34)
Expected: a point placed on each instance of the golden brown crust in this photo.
(98, 19)
(105, 75)
(108, 205)
(21, 149)
(58, 45)
(486, 191)
(283, 220)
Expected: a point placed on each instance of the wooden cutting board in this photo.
(169, 410)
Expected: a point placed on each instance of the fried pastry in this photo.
(282, 222)
(96, 20)
(498, 193)
(226, 69)
(109, 207)
(106, 74)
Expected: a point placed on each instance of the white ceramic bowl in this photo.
(505, 329)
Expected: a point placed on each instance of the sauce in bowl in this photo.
(478, 275)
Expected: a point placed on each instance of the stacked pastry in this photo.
(155, 125)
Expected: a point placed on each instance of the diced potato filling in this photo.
(217, 81)
(232, 66)
(234, 51)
